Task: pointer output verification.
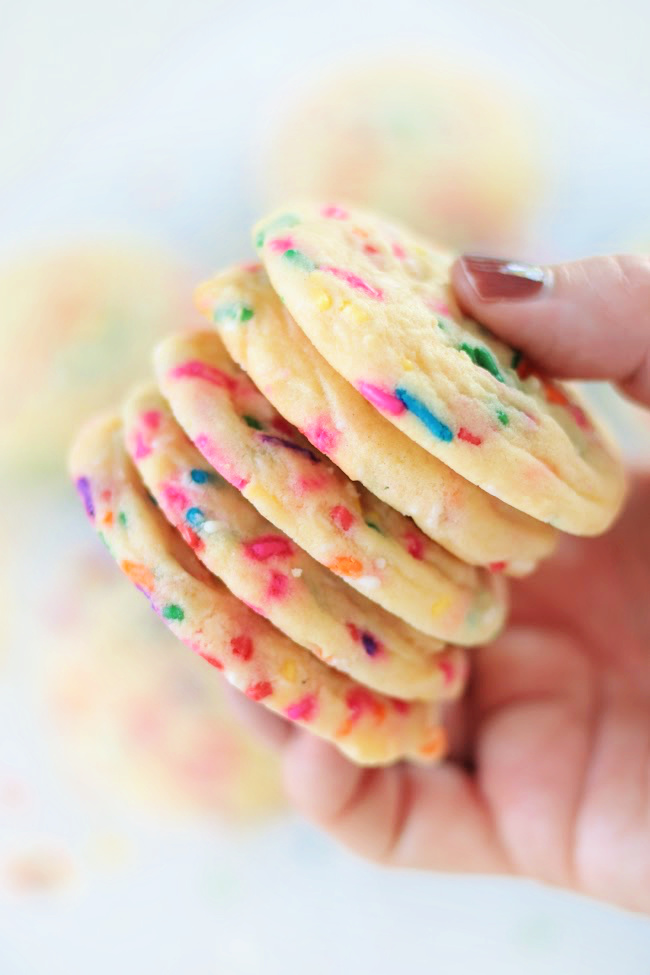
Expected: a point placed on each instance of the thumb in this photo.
(586, 319)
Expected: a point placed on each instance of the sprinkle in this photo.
(398, 251)
(210, 527)
(358, 314)
(299, 260)
(424, 414)
(139, 574)
(354, 281)
(414, 545)
(436, 745)
(288, 670)
(345, 565)
(195, 369)
(201, 477)
(279, 245)
(407, 365)
(497, 566)
(296, 573)
(441, 604)
(383, 399)
(284, 220)
(359, 700)
(321, 299)
(190, 536)
(174, 496)
(303, 709)
(209, 659)
(323, 434)
(464, 434)
(402, 707)
(85, 493)
(235, 311)
(151, 419)
(252, 422)
(371, 644)
(334, 212)
(278, 585)
(173, 612)
(141, 448)
(259, 690)
(447, 670)
(374, 525)
(290, 445)
(282, 426)
(107, 518)
(242, 646)
(503, 417)
(216, 458)
(482, 357)
(342, 517)
(267, 547)
(195, 516)
(122, 519)
(516, 359)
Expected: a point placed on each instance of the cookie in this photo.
(77, 329)
(376, 302)
(442, 148)
(340, 524)
(254, 656)
(268, 572)
(266, 342)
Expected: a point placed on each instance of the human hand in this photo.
(549, 771)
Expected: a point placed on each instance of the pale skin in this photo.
(549, 772)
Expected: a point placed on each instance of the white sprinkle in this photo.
(209, 527)
(380, 563)
(369, 582)
(296, 573)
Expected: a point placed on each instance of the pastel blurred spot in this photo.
(398, 251)
(259, 690)
(195, 369)
(85, 493)
(267, 547)
(354, 281)
(323, 434)
(173, 612)
(283, 220)
(382, 398)
(342, 517)
(482, 357)
(234, 311)
(290, 445)
(195, 517)
(415, 406)
(334, 212)
(468, 437)
(242, 646)
(304, 709)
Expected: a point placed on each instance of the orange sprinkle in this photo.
(139, 574)
(345, 565)
(107, 518)
(555, 395)
(436, 745)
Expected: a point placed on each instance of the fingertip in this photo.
(318, 779)
(269, 728)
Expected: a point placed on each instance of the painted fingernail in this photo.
(495, 279)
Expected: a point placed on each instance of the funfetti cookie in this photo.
(376, 302)
(262, 337)
(254, 656)
(340, 524)
(271, 574)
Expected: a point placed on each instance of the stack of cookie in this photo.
(332, 526)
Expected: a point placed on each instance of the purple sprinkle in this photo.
(83, 487)
(290, 445)
(370, 644)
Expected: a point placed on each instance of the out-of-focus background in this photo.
(140, 830)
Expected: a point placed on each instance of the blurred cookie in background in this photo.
(447, 152)
(133, 713)
(76, 328)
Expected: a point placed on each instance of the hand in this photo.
(549, 774)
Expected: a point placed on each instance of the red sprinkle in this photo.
(415, 545)
(341, 517)
(213, 661)
(267, 546)
(303, 709)
(402, 707)
(259, 690)
(497, 566)
(464, 434)
(278, 585)
(447, 671)
(191, 537)
(242, 646)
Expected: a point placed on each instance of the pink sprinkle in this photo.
(383, 399)
(446, 670)
(195, 369)
(579, 416)
(151, 418)
(304, 709)
(414, 545)
(175, 497)
(219, 462)
(322, 435)
(355, 282)
(464, 434)
(342, 517)
(213, 661)
(268, 546)
(398, 251)
(497, 566)
(278, 586)
(141, 448)
(334, 212)
(305, 485)
(281, 244)
(359, 700)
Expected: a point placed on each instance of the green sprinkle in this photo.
(122, 519)
(299, 260)
(503, 417)
(372, 524)
(516, 359)
(280, 222)
(151, 498)
(482, 357)
(251, 421)
(234, 311)
(173, 612)
(442, 325)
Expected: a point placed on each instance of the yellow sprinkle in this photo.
(321, 299)
(288, 670)
(256, 493)
(441, 604)
(358, 314)
(407, 365)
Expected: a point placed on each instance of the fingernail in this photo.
(495, 279)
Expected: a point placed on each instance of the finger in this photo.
(586, 319)
(269, 728)
(401, 816)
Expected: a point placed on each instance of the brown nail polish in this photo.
(495, 279)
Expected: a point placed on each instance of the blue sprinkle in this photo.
(199, 476)
(370, 644)
(423, 413)
(195, 516)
